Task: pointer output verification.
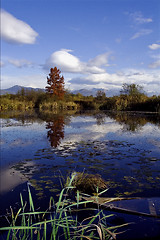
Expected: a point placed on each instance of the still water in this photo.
(39, 148)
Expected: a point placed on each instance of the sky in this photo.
(94, 43)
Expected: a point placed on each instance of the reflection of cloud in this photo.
(155, 143)
(9, 179)
(85, 130)
(20, 142)
(14, 30)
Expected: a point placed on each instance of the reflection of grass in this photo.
(59, 221)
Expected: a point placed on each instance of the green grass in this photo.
(14, 104)
(53, 105)
(60, 220)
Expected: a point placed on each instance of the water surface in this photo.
(36, 148)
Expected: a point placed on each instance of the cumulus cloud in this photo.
(67, 62)
(154, 46)
(14, 30)
(115, 80)
(64, 60)
(140, 33)
(94, 73)
(20, 62)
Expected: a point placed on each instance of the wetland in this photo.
(41, 149)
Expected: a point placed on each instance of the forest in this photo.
(131, 98)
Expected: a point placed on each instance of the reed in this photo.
(60, 220)
(53, 105)
(14, 104)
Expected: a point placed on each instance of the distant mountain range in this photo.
(84, 92)
(16, 88)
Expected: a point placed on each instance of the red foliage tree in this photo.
(56, 83)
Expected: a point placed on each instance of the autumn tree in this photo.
(56, 83)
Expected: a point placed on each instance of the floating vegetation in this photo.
(110, 159)
(87, 183)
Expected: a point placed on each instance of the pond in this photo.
(40, 148)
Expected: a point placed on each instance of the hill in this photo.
(16, 88)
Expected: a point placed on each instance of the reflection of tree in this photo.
(100, 118)
(55, 130)
(132, 121)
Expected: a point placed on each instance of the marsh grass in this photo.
(14, 104)
(53, 105)
(60, 220)
(87, 183)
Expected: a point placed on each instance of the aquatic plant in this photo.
(87, 183)
(60, 220)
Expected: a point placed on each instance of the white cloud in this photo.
(32, 80)
(154, 46)
(155, 64)
(14, 30)
(67, 62)
(64, 60)
(141, 33)
(139, 19)
(93, 73)
(20, 62)
(2, 64)
(100, 60)
(150, 79)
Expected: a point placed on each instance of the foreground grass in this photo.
(59, 221)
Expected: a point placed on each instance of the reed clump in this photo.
(54, 105)
(88, 183)
(10, 104)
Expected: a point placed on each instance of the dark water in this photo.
(124, 148)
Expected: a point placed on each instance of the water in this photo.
(38, 148)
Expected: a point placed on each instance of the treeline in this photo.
(130, 103)
(131, 98)
(28, 99)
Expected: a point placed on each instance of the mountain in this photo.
(93, 92)
(16, 88)
(84, 92)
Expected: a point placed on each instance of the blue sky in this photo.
(95, 43)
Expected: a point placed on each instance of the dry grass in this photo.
(88, 183)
